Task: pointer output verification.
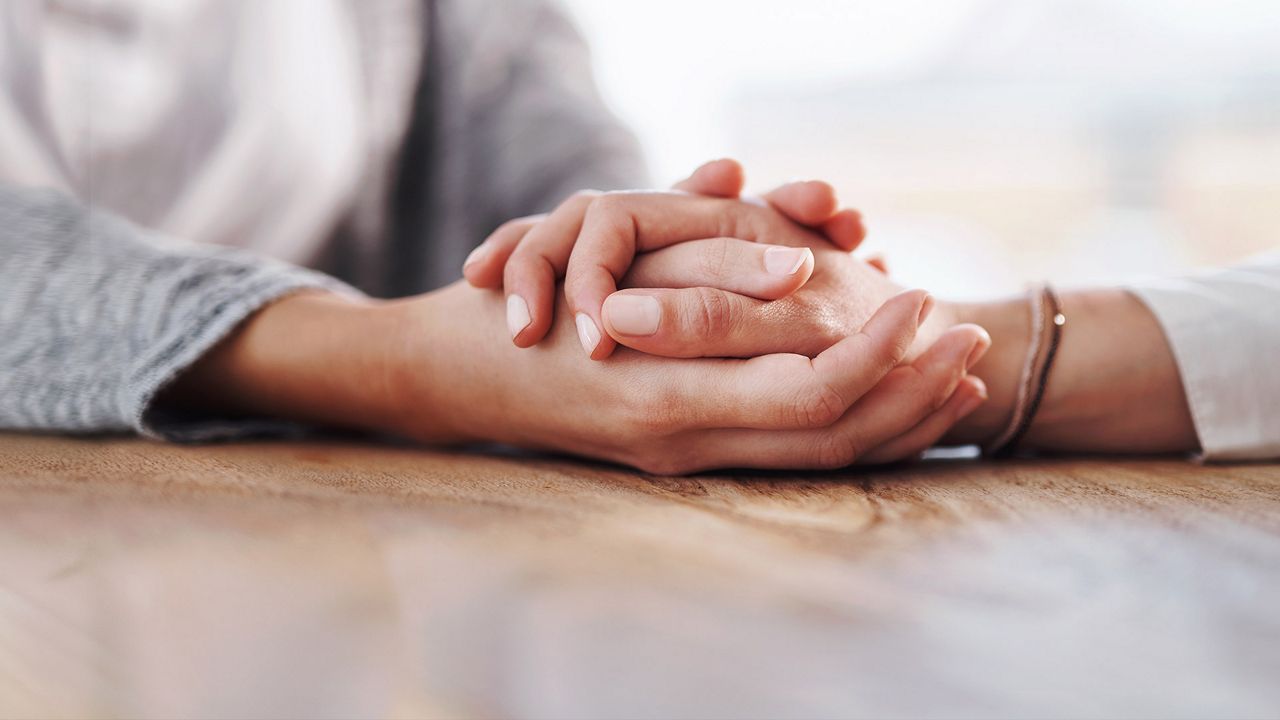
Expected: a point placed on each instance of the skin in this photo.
(428, 368)
(1114, 388)
(527, 256)
(842, 368)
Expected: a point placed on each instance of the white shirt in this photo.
(1224, 329)
(236, 122)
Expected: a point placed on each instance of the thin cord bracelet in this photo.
(1047, 323)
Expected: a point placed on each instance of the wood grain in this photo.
(339, 579)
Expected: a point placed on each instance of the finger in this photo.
(483, 267)
(808, 202)
(691, 322)
(617, 225)
(535, 265)
(767, 272)
(899, 402)
(707, 322)
(719, 178)
(969, 395)
(877, 261)
(813, 203)
(792, 391)
(845, 229)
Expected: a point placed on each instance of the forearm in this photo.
(1114, 385)
(328, 360)
(96, 314)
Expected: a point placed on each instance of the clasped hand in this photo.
(752, 337)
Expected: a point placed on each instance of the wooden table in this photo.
(345, 579)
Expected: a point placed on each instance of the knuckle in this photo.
(710, 313)
(583, 200)
(511, 226)
(817, 407)
(928, 393)
(885, 352)
(525, 264)
(941, 390)
(609, 212)
(609, 203)
(835, 450)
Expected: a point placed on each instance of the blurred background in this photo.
(988, 142)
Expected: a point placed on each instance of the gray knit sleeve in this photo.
(97, 315)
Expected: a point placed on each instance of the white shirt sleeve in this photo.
(1224, 329)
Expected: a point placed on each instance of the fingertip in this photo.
(897, 321)
(482, 276)
(473, 276)
(975, 394)
(963, 345)
(531, 280)
(518, 318)
(820, 200)
(787, 269)
(926, 309)
(592, 331)
(845, 229)
(982, 344)
(540, 313)
(730, 173)
(808, 202)
(604, 348)
(723, 177)
(878, 262)
(911, 306)
(976, 386)
(804, 272)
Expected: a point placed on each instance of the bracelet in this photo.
(1047, 322)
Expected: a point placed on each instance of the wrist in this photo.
(1008, 322)
(312, 356)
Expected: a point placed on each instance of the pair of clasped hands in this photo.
(750, 336)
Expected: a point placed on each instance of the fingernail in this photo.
(588, 335)
(784, 260)
(517, 314)
(979, 349)
(925, 309)
(633, 314)
(475, 255)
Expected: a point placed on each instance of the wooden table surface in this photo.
(346, 579)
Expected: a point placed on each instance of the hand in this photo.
(527, 256)
(693, 299)
(720, 296)
(719, 308)
(427, 368)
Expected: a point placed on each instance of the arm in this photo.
(1170, 364)
(430, 368)
(97, 315)
(1114, 386)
